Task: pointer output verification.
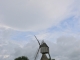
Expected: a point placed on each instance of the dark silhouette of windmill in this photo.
(44, 49)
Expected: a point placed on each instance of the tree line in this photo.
(21, 58)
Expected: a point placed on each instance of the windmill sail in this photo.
(37, 39)
(37, 53)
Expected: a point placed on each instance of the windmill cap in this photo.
(44, 45)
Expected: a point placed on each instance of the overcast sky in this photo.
(55, 21)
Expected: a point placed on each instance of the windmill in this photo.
(44, 49)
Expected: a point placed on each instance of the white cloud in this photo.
(34, 15)
(64, 48)
(6, 56)
(38, 15)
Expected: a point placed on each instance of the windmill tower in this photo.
(44, 49)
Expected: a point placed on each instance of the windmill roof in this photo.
(44, 45)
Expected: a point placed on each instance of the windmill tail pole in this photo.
(49, 57)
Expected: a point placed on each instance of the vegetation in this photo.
(51, 59)
(22, 58)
